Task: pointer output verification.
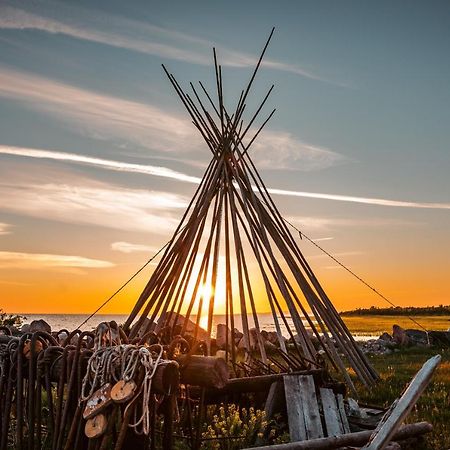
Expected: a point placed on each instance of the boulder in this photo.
(386, 337)
(25, 328)
(253, 334)
(238, 335)
(271, 337)
(39, 325)
(61, 337)
(146, 323)
(399, 335)
(168, 319)
(223, 335)
(441, 338)
(417, 337)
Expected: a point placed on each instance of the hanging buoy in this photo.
(98, 401)
(95, 426)
(123, 391)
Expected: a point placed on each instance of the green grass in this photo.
(378, 324)
(396, 370)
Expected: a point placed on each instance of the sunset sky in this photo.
(98, 159)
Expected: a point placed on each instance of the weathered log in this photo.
(166, 378)
(262, 383)
(352, 439)
(205, 371)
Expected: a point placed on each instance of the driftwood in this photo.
(400, 408)
(353, 439)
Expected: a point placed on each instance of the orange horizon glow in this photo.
(60, 292)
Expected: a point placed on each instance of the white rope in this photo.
(150, 365)
(121, 362)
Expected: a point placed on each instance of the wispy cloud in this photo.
(109, 118)
(99, 162)
(137, 36)
(15, 260)
(364, 200)
(128, 247)
(321, 224)
(281, 150)
(5, 228)
(84, 201)
(323, 239)
(103, 116)
(169, 173)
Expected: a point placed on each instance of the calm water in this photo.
(73, 321)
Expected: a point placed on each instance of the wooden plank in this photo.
(344, 420)
(333, 422)
(310, 408)
(400, 408)
(296, 421)
(273, 399)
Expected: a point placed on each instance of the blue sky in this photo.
(98, 158)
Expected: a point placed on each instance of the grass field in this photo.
(378, 324)
(396, 370)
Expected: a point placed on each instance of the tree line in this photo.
(440, 310)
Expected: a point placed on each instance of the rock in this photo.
(417, 337)
(440, 338)
(386, 337)
(271, 337)
(399, 335)
(146, 323)
(39, 325)
(254, 344)
(376, 346)
(237, 336)
(202, 334)
(223, 335)
(61, 337)
(354, 410)
(25, 328)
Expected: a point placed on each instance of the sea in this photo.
(73, 321)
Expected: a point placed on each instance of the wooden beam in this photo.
(353, 439)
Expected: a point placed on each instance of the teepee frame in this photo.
(231, 220)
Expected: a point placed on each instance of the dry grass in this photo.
(396, 370)
(368, 325)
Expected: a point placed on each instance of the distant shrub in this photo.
(14, 320)
(441, 310)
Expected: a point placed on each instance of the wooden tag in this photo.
(98, 401)
(123, 391)
(95, 426)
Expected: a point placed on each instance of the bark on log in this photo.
(204, 371)
(353, 439)
(262, 383)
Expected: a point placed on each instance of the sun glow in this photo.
(208, 291)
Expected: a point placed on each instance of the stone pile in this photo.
(401, 338)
